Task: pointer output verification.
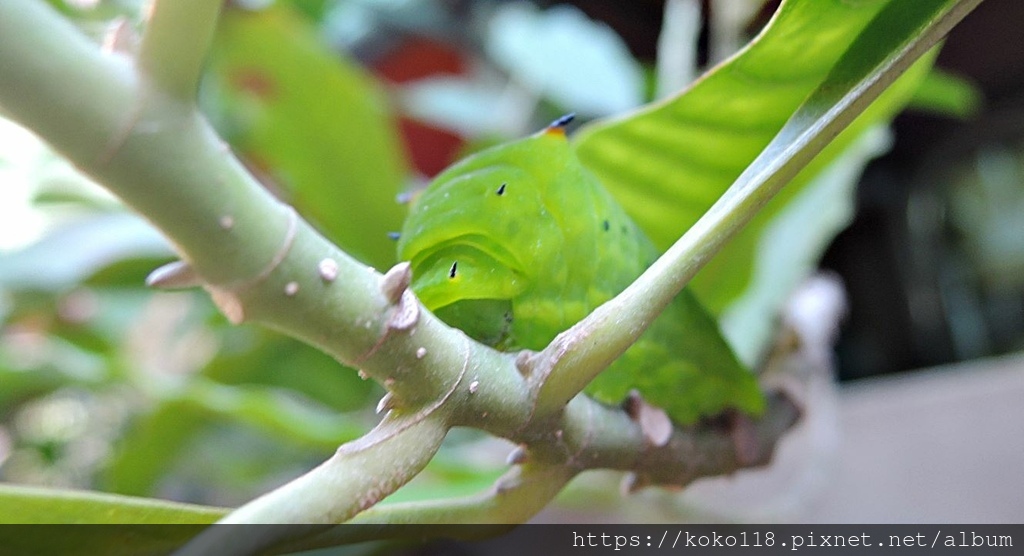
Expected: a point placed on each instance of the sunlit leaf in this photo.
(117, 524)
(667, 163)
(24, 504)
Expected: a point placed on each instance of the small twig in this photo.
(175, 43)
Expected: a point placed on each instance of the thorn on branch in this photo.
(631, 484)
(744, 439)
(173, 276)
(121, 38)
(404, 316)
(525, 362)
(228, 302)
(505, 484)
(386, 403)
(396, 281)
(406, 313)
(653, 421)
(517, 456)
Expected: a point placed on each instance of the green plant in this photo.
(712, 157)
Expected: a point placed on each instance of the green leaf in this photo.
(148, 449)
(123, 519)
(669, 162)
(948, 94)
(276, 385)
(899, 35)
(25, 504)
(315, 124)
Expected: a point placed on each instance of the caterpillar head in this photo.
(482, 234)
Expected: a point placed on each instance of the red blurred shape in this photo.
(431, 149)
(417, 58)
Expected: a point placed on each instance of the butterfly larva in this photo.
(523, 227)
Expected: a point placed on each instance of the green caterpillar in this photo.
(518, 242)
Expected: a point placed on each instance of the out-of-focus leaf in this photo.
(32, 364)
(263, 357)
(948, 94)
(313, 122)
(273, 411)
(258, 379)
(581, 65)
(669, 162)
(888, 47)
(24, 504)
(156, 443)
(117, 523)
(313, 9)
(76, 251)
(149, 448)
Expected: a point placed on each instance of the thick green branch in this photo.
(174, 45)
(56, 82)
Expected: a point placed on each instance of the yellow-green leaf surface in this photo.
(901, 34)
(669, 162)
(95, 523)
(315, 124)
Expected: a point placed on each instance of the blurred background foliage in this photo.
(105, 385)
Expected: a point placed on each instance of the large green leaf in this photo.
(117, 523)
(318, 126)
(886, 49)
(24, 504)
(669, 162)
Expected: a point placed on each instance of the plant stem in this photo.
(175, 43)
